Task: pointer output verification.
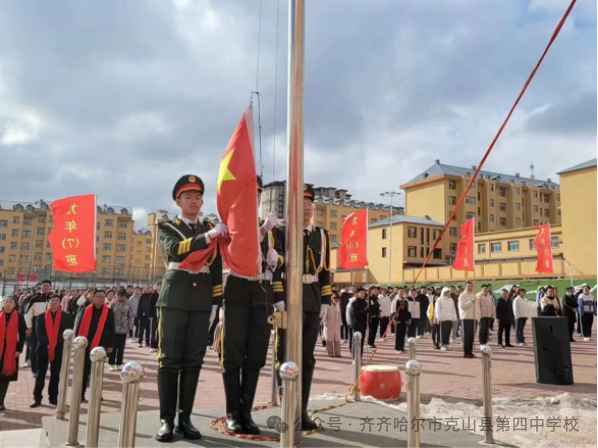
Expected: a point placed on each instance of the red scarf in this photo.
(86, 323)
(52, 330)
(10, 348)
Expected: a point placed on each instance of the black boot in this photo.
(3, 390)
(307, 424)
(167, 393)
(249, 382)
(188, 387)
(232, 393)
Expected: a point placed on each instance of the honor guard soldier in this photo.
(246, 332)
(188, 304)
(317, 293)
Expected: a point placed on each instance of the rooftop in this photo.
(400, 219)
(439, 169)
(581, 166)
(45, 205)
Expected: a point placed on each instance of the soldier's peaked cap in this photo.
(308, 192)
(188, 182)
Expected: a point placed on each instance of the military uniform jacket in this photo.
(181, 289)
(316, 262)
(272, 240)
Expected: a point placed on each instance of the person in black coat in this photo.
(504, 315)
(360, 316)
(374, 315)
(570, 310)
(424, 303)
(43, 352)
(153, 317)
(346, 295)
(106, 339)
(7, 314)
(143, 316)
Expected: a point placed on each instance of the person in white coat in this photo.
(445, 314)
(520, 310)
(332, 327)
(469, 313)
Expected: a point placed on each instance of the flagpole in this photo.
(291, 409)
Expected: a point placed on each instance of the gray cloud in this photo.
(121, 98)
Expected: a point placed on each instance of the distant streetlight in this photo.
(390, 194)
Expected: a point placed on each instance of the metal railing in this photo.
(357, 358)
(65, 368)
(413, 369)
(131, 376)
(97, 357)
(80, 345)
(289, 372)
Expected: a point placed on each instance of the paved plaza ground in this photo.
(445, 375)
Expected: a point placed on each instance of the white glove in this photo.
(219, 229)
(279, 306)
(270, 222)
(213, 315)
(272, 259)
(323, 311)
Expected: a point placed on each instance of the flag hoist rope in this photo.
(355, 386)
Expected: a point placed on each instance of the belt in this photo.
(308, 279)
(263, 276)
(172, 266)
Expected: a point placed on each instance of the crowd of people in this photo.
(447, 313)
(35, 319)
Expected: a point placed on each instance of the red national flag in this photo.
(543, 244)
(73, 238)
(464, 257)
(353, 251)
(237, 200)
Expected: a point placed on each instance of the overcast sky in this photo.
(121, 98)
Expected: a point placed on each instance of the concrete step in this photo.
(386, 430)
(25, 438)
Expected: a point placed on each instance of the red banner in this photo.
(20, 278)
(32, 278)
(73, 238)
(464, 257)
(543, 245)
(353, 251)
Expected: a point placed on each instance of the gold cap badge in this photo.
(192, 179)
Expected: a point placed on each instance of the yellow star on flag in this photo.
(224, 173)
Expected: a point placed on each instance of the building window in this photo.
(513, 246)
(412, 232)
(452, 248)
(536, 209)
(491, 186)
(436, 234)
(28, 221)
(546, 212)
(12, 258)
(120, 260)
(16, 220)
(107, 246)
(558, 212)
(121, 248)
(319, 224)
(41, 219)
(15, 232)
(139, 242)
(503, 222)
(122, 236)
(333, 213)
(37, 256)
(41, 231)
(25, 246)
(384, 252)
(109, 223)
(558, 198)
(122, 224)
(496, 247)
(2, 236)
(482, 248)
(374, 220)
(333, 238)
(491, 202)
(535, 194)
(108, 235)
(383, 234)
(1, 249)
(536, 222)
(106, 259)
(320, 213)
(39, 244)
(518, 222)
(502, 192)
(412, 251)
(98, 226)
(452, 231)
(502, 207)
(48, 257)
(452, 200)
(11, 271)
(547, 199)
(532, 244)
(452, 185)
(13, 246)
(149, 241)
(554, 242)
(517, 191)
(437, 254)
(27, 234)
(4, 223)
(333, 225)
(24, 259)
(469, 215)
(470, 200)
(517, 206)
(383, 217)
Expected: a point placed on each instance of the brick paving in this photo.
(445, 375)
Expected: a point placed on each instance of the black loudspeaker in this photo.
(552, 350)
